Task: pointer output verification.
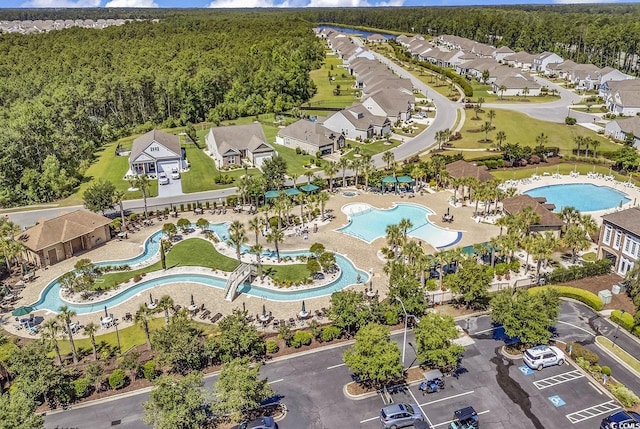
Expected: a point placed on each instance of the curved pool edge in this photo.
(609, 186)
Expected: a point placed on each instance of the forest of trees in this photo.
(65, 93)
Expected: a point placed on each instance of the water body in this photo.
(358, 32)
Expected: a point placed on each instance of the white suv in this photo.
(540, 356)
(175, 174)
(163, 179)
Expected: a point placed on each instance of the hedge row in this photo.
(589, 298)
(576, 272)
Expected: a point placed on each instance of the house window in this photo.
(231, 160)
(631, 247)
(616, 242)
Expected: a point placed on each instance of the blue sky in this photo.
(279, 3)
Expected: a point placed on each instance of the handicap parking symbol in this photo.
(525, 370)
(556, 401)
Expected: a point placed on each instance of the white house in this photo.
(502, 52)
(621, 128)
(230, 145)
(541, 61)
(394, 104)
(311, 137)
(517, 85)
(154, 152)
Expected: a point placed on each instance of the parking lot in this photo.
(506, 393)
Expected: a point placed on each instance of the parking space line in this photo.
(449, 421)
(369, 420)
(596, 410)
(276, 381)
(484, 331)
(336, 366)
(558, 379)
(446, 398)
(595, 388)
(421, 409)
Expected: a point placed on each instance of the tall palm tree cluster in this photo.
(12, 249)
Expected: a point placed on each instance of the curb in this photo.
(615, 357)
(592, 380)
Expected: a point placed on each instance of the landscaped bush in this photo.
(390, 317)
(149, 370)
(576, 272)
(301, 338)
(626, 321)
(272, 346)
(570, 121)
(584, 296)
(137, 278)
(580, 351)
(624, 395)
(501, 269)
(81, 387)
(330, 333)
(117, 379)
(605, 370)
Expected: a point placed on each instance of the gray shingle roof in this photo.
(240, 137)
(628, 219)
(170, 141)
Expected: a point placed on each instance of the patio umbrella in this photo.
(304, 310)
(22, 310)
(264, 310)
(244, 307)
(192, 301)
(106, 314)
(150, 299)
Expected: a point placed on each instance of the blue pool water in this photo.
(362, 33)
(371, 223)
(585, 197)
(50, 297)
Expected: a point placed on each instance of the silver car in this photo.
(163, 179)
(400, 415)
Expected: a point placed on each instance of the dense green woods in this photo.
(64, 93)
(598, 34)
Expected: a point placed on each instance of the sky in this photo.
(278, 3)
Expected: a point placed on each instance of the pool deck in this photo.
(631, 192)
(362, 255)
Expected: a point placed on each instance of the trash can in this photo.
(615, 289)
(605, 296)
(621, 287)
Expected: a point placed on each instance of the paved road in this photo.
(311, 386)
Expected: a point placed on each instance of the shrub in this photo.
(272, 346)
(626, 397)
(570, 121)
(583, 363)
(605, 370)
(515, 265)
(331, 333)
(149, 370)
(501, 269)
(81, 387)
(137, 278)
(117, 379)
(391, 317)
(584, 296)
(576, 272)
(301, 338)
(579, 351)
(625, 320)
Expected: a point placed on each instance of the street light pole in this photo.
(404, 340)
(615, 334)
(115, 323)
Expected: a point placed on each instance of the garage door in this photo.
(260, 159)
(167, 166)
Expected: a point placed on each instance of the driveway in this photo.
(174, 188)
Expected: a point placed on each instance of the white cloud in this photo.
(131, 3)
(62, 3)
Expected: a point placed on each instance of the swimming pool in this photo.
(369, 223)
(50, 298)
(585, 197)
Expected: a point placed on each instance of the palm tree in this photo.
(405, 225)
(65, 314)
(90, 329)
(256, 249)
(275, 236)
(588, 223)
(412, 251)
(569, 215)
(237, 237)
(388, 157)
(526, 218)
(300, 200)
(118, 197)
(594, 144)
(256, 224)
(579, 141)
(527, 244)
(322, 198)
(501, 137)
(394, 237)
(486, 127)
(525, 91)
(141, 318)
(50, 331)
(542, 248)
(502, 89)
(343, 164)
(576, 239)
(330, 169)
(491, 115)
(165, 304)
(143, 183)
(367, 169)
(542, 140)
(356, 164)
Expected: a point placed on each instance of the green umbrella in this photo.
(22, 310)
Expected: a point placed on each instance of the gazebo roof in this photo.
(291, 191)
(389, 179)
(271, 194)
(464, 169)
(405, 179)
(309, 187)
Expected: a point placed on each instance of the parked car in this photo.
(621, 419)
(259, 423)
(163, 179)
(465, 418)
(433, 382)
(400, 415)
(542, 356)
(175, 174)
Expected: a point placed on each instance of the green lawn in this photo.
(564, 168)
(523, 129)
(620, 353)
(371, 148)
(324, 96)
(486, 92)
(293, 273)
